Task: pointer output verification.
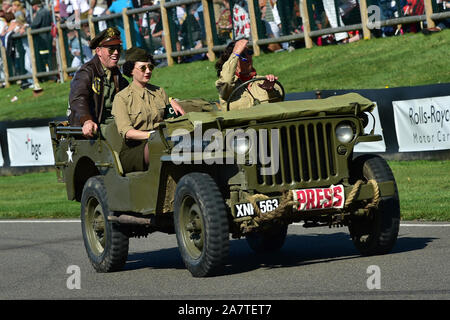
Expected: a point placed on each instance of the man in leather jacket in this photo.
(95, 84)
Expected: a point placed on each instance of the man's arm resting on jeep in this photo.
(79, 97)
(89, 128)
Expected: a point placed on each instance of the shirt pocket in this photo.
(136, 116)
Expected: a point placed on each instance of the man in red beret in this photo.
(95, 84)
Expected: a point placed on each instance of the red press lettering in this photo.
(337, 194)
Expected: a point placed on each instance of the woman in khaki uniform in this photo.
(138, 109)
(234, 67)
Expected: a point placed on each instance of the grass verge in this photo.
(424, 193)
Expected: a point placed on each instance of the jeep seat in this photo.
(115, 141)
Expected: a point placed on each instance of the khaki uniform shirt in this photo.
(108, 93)
(139, 108)
(228, 80)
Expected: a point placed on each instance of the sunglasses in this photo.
(113, 49)
(245, 56)
(144, 67)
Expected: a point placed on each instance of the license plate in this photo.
(319, 198)
(246, 209)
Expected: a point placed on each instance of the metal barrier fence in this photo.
(205, 28)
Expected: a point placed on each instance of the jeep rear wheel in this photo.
(377, 232)
(106, 245)
(201, 224)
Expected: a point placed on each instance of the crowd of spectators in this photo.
(275, 18)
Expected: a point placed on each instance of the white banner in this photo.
(1, 157)
(377, 146)
(422, 124)
(30, 146)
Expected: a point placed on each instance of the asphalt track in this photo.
(37, 259)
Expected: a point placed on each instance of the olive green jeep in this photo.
(249, 173)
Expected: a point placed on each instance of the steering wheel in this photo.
(256, 101)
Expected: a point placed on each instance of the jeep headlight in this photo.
(238, 141)
(345, 132)
(241, 144)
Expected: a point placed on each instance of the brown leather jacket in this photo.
(86, 92)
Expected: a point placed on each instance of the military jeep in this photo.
(245, 173)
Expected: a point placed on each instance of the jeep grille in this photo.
(307, 153)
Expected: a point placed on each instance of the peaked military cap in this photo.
(108, 37)
(137, 54)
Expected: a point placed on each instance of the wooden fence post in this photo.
(306, 25)
(33, 58)
(5, 65)
(429, 12)
(166, 31)
(126, 27)
(364, 19)
(208, 29)
(62, 51)
(253, 27)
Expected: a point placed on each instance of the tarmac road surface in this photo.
(47, 260)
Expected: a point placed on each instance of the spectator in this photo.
(79, 55)
(241, 20)
(99, 7)
(81, 9)
(191, 33)
(334, 19)
(116, 7)
(43, 42)
(6, 6)
(224, 23)
(65, 9)
(19, 11)
(444, 24)
(272, 21)
(198, 14)
(152, 31)
(389, 10)
(413, 8)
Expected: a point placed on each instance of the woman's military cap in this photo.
(108, 37)
(137, 54)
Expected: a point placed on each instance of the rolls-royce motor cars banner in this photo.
(422, 124)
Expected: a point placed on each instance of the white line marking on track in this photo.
(424, 225)
(40, 221)
(296, 224)
(405, 224)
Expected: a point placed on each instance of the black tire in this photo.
(378, 232)
(201, 224)
(270, 240)
(106, 245)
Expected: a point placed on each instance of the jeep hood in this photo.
(336, 105)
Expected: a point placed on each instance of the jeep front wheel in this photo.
(377, 232)
(201, 224)
(106, 245)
